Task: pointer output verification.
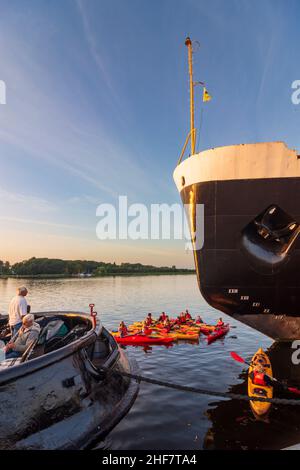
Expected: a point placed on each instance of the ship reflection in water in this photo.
(235, 427)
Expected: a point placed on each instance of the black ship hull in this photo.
(243, 271)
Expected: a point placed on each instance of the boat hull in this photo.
(62, 400)
(248, 266)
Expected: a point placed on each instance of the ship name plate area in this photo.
(157, 458)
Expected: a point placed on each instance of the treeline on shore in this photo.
(39, 267)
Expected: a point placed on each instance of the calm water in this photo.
(163, 418)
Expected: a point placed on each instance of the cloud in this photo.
(24, 201)
(83, 199)
(46, 223)
(94, 48)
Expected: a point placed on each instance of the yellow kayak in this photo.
(175, 335)
(184, 336)
(266, 391)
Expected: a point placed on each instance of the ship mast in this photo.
(188, 43)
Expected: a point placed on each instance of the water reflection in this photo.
(235, 427)
(161, 418)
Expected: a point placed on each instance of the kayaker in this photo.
(220, 323)
(123, 330)
(162, 317)
(181, 318)
(149, 320)
(187, 315)
(167, 324)
(199, 320)
(145, 328)
(259, 377)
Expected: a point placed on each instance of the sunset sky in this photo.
(97, 107)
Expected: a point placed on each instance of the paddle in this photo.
(238, 358)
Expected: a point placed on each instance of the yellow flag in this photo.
(206, 95)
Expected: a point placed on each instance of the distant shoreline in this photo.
(63, 276)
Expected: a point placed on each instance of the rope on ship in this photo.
(201, 391)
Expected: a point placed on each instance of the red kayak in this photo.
(143, 339)
(206, 330)
(218, 333)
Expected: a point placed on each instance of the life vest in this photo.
(148, 321)
(259, 378)
(123, 331)
(220, 323)
(147, 331)
(187, 316)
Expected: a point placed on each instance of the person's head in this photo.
(220, 319)
(259, 368)
(22, 291)
(121, 323)
(28, 320)
(149, 315)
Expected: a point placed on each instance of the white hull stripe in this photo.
(238, 162)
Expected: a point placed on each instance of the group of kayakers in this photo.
(184, 318)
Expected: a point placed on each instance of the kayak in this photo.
(259, 407)
(158, 333)
(217, 333)
(184, 336)
(143, 339)
(207, 329)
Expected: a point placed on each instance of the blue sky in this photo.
(97, 106)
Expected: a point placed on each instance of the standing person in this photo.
(17, 310)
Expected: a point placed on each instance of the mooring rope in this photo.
(201, 391)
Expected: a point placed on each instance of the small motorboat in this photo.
(67, 391)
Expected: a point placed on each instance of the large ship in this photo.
(248, 266)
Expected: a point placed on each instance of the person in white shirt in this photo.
(17, 310)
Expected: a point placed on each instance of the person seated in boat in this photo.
(181, 318)
(259, 377)
(167, 324)
(145, 328)
(149, 320)
(188, 316)
(123, 330)
(27, 335)
(220, 323)
(17, 309)
(199, 320)
(162, 317)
